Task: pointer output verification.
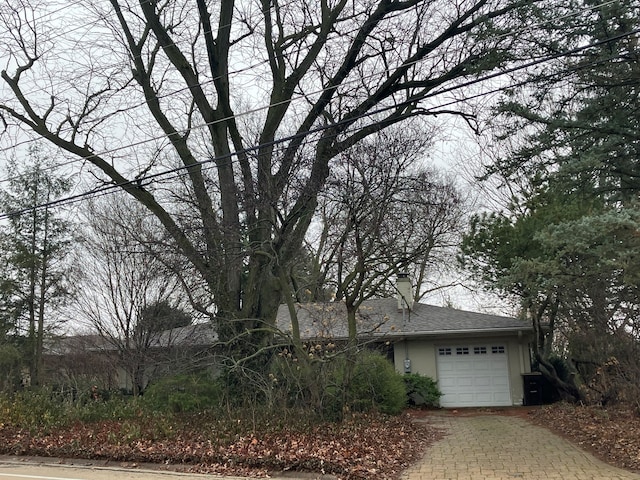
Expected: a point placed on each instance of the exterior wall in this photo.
(423, 356)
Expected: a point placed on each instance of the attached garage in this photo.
(476, 359)
(474, 375)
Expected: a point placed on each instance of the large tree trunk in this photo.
(542, 348)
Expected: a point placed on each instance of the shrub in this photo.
(183, 393)
(46, 409)
(421, 391)
(376, 385)
(106, 407)
(33, 409)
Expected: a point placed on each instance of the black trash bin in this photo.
(533, 388)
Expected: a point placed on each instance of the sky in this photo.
(73, 43)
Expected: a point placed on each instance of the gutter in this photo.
(457, 332)
(433, 333)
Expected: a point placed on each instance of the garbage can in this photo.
(533, 385)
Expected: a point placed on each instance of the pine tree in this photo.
(34, 241)
(567, 245)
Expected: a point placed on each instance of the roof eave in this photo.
(432, 333)
(435, 333)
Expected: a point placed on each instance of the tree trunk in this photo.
(42, 295)
(33, 281)
(568, 390)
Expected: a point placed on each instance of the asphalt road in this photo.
(37, 468)
(15, 470)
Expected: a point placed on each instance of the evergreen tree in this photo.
(567, 245)
(579, 126)
(34, 241)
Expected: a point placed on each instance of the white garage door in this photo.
(474, 376)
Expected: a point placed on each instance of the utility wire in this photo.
(248, 68)
(301, 97)
(189, 42)
(160, 175)
(108, 188)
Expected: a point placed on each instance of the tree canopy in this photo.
(567, 244)
(226, 120)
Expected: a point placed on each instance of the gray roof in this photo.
(189, 336)
(381, 317)
(375, 318)
(75, 344)
(196, 335)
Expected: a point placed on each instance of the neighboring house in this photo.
(477, 359)
(78, 361)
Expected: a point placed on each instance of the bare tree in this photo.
(126, 288)
(131, 88)
(381, 217)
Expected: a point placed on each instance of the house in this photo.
(108, 362)
(477, 359)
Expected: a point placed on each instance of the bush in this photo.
(421, 391)
(47, 409)
(376, 385)
(332, 385)
(108, 406)
(33, 409)
(183, 393)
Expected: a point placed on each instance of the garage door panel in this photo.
(483, 397)
(483, 367)
(447, 383)
(465, 367)
(484, 381)
(500, 381)
(502, 399)
(465, 382)
(447, 368)
(473, 376)
(466, 396)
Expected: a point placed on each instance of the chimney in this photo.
(405, 291)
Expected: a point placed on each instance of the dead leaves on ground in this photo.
(364, 446)
(612, 434)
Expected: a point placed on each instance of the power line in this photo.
(185, 41)
(439, 92)
(159, 175)
(248, 68)
(150, 177)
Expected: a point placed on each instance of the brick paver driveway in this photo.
(495, 447)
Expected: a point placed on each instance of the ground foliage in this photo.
(368, 446)
(612, 433)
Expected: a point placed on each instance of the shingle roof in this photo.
(75, 344)
(381, 317)
(194, 335)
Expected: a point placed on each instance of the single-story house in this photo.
(476, 359)
(82, 360)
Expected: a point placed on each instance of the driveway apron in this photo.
(494, 447)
